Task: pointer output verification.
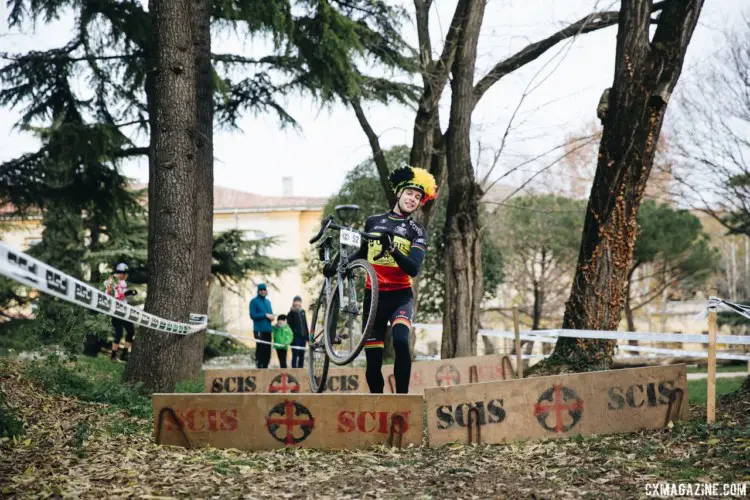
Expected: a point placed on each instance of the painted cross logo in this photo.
(284, 383)
(556, 400)
(447, 375)
(290, 415)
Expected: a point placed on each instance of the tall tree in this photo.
(157, 358)
(203, 196)
(464, 287)
(429, 148)
(646, 72)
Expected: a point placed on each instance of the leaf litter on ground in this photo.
(69, 450)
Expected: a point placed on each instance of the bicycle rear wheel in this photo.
(317, 365)
(345, 333)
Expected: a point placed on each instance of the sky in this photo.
(544, 102)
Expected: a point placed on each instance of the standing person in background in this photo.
(262, 315)
(116, 286)
(298, 323)
(282, 339)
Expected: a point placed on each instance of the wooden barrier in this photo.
(284, 381)
(557, 406)
(424, 374)
(449, 372)
(268, 421)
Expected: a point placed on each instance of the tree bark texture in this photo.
(204, 184)
(464, 285)
(157, 356)
(646, 72)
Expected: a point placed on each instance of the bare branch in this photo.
(377, 151)
(130, 152)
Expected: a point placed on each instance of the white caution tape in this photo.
(551, 336)
(29, 271)
(252, 339)
(607, 335)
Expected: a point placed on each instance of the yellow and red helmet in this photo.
(414, 178)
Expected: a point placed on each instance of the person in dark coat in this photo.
(262, 315)
(298, 322)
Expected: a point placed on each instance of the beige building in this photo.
(292, 219)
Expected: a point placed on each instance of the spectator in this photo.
(117, 286)
(282, 336)
(298, 323)
(262, 315)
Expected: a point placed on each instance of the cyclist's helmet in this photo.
(414, 178)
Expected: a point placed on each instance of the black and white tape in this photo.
(29, 271)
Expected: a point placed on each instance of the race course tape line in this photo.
(29, 271)
(608, 335)
(251, 339)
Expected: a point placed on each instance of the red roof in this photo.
(230, 199)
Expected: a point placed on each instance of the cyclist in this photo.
(405, 243)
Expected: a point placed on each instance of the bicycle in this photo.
(341, 300)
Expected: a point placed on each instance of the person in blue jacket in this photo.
(262, 315)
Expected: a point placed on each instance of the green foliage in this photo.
(96, 380)
(10, 426)
(539, 236)
(62, 324)
(235, 258)
(674, 243)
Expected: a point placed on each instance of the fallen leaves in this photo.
(69, 450)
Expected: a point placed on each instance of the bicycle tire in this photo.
(318, 380)
(333, 306)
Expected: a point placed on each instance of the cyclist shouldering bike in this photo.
(404, 243)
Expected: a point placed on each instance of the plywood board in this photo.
(283, 381)
(424, 374)
(556, 406)
(268, 421)
(450, 372)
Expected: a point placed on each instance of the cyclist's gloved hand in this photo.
(386, 241)
(329, 270)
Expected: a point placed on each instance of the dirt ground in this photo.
(73, 449)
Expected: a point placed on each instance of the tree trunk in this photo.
(426, 215)
(157, 356)
(204, 185)
(628, 308)
(463, 250)
(646, 73)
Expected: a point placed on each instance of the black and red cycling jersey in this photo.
(395, 272)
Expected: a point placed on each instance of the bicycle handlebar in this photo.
(327, 223)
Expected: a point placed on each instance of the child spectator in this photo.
(282, 336)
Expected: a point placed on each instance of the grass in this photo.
(697, 388)
(719, 368)
(98, 380)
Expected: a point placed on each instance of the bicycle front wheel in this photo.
(318, 362)
(348, 324)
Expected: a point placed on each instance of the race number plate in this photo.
(350, 238)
